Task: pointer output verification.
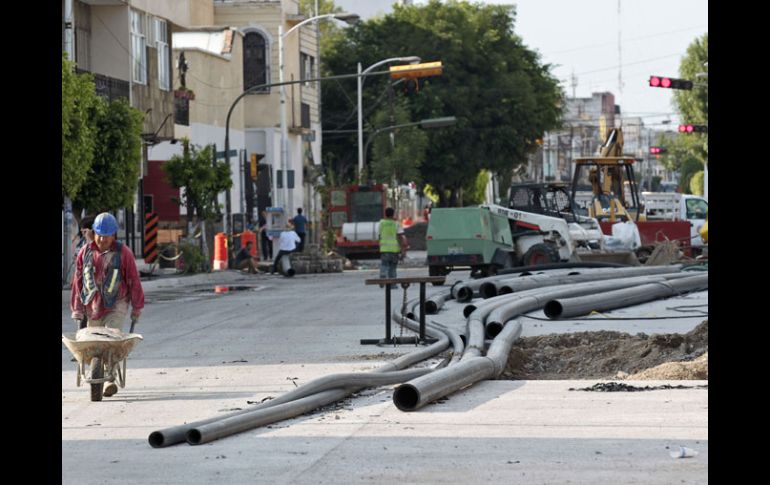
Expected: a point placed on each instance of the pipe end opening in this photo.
(488, 290)
(156, 439)
(493, 329)
(194, 437)
(431, 307)
(291, 272)
(468, 309)
(505, 290)
(464, 294)
(553, 309)
(406, 397)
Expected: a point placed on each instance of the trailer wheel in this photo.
(542, 253)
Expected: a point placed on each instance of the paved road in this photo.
(206, 353)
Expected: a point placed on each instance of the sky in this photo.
(580, 37)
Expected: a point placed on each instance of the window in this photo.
(307, 68)
(161, 41)
(305, 115)
(254, 61)
(138, 48)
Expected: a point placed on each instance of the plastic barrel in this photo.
(220, 251)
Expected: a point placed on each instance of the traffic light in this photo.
(657, 150)
(413, 71)
(693, 128)
(669, 82)
(255, 158)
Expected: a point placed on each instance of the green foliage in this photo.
(79, 107)
(397, 154)
(200, 180)
(113, 176)
(192, 258)
(693, 104)
(502, 95)
(474, 193)
(696, 183)
(687, 170)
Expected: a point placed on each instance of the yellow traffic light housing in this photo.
(413, 71)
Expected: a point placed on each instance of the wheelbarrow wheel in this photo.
(97, 372)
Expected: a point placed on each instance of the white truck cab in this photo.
(674, 206)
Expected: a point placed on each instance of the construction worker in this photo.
(106, 282)
(393, 244)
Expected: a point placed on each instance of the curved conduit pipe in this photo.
(537, 281)
(345, 387)
(456, 339)
(177, 434)
(226, 426)
(576, 306)
(417, 393)
(535, 299)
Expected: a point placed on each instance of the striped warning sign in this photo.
(150, 237)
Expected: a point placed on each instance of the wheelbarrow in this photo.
(101, 355)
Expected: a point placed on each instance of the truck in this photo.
(541, 227)
(673, 206)
(355, 212)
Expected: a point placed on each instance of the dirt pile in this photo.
(611, 355)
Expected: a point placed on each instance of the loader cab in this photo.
(550, 199)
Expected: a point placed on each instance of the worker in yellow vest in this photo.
(393, 244)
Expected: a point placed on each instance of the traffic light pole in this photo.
(285, 83)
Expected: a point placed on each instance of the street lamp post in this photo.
(347, 17)
(361, 74)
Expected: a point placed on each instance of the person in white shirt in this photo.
(287, 243)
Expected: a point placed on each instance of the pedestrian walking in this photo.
(299, 227)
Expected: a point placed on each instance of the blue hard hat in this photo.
(105, 224)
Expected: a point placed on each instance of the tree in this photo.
(397, 154)
(503, 97)
(79, 107)
(200, 180)
(117, 153)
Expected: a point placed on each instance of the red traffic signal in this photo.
(657, 150)
(693, 128)
(669, 82)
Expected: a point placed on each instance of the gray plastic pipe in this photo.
(537, 298)
(177, 434)
(537, 281)
(233, 424)
(417, 393)
(572, 307)
(423, 390)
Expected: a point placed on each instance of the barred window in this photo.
(254, 60)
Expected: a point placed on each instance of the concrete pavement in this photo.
(205, 354)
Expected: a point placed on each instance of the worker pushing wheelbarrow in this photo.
(101, 354)
(106, 283)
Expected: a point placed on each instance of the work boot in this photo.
(110, 388)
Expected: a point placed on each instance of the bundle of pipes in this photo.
(474, 367)
(502, 286)
(317, 393)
